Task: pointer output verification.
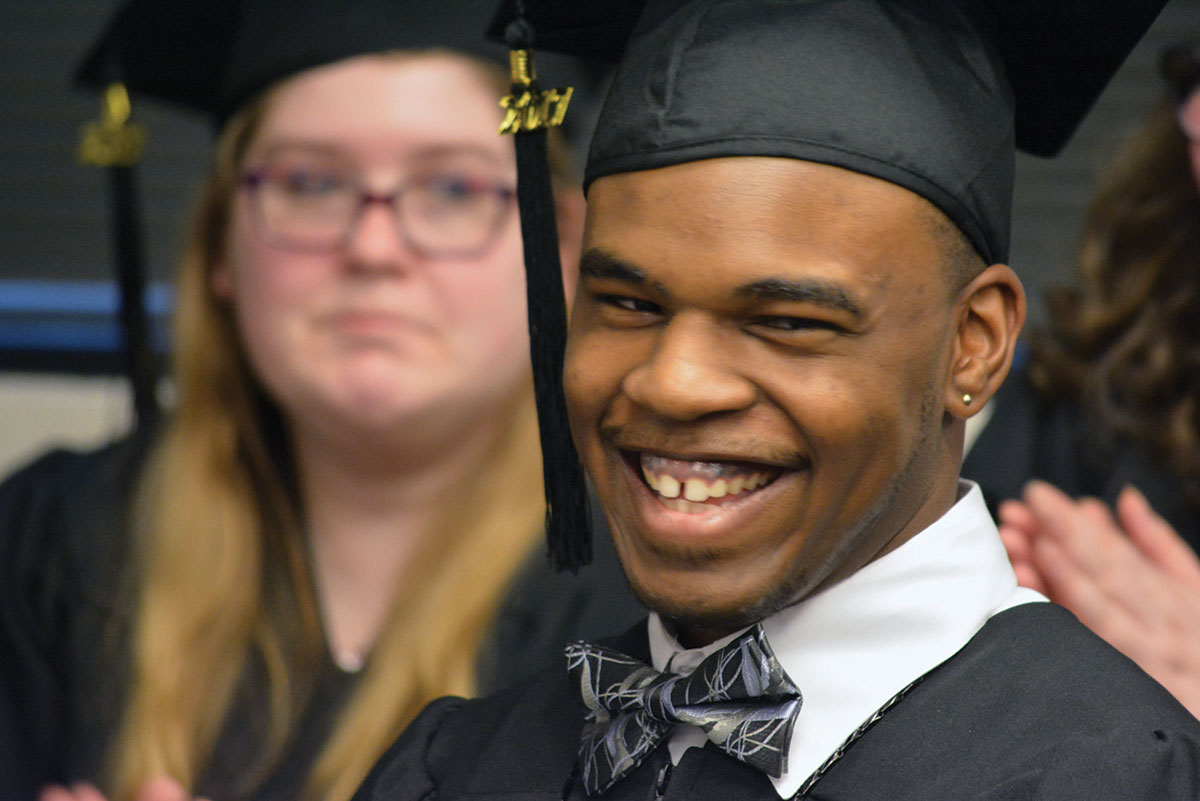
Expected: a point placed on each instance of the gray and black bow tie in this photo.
(740, 696)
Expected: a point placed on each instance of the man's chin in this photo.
(698, 623)
(697, 618)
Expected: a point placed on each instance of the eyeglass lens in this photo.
(303, 203)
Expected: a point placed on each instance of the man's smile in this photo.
(688, 498)
(683, 485)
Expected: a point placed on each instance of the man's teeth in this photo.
(699, 490)
(696, 490)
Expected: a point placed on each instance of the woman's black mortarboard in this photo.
(213, 56)
(932, 95)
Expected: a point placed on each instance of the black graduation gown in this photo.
(1029, 437)
(65, 613)
(1033, 707)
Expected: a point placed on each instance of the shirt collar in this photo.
(853, 646)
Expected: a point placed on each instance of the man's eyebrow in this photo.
(821, 293)
(596, 263)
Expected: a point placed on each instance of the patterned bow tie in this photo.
(739, 696)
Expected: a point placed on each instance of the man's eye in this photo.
(631, 304)
(790, 324)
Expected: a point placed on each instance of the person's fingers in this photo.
(1123, 586)
(1049, 507)
(1067, 583)
(1086, 533)
(86, 792)
(1030, 577)
(1092, 568)
(1098, 606)
(54, 792)
(1017, 543)
(1019, 547)
(1056, 512)
(1095, 512)
(162, 788)
(1017, 514)
(1155, 537)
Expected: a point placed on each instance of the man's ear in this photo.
(569, 208)
(989, 312)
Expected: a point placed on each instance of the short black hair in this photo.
(961, 262)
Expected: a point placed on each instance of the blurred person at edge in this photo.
(1106, 419)
(340, 521)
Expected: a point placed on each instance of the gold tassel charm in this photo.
(113, 141)
(528, 108)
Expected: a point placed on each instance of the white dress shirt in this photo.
(853, 646)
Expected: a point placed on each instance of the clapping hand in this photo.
(160, 789)
(1129, 578)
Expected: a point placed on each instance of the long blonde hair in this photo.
(224, 576)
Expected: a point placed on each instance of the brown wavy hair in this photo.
(224, 581)
(1124, 342)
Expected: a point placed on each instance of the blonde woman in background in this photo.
(341, 519)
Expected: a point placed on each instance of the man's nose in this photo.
(690, 373)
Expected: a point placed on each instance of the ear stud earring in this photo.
(967, 399)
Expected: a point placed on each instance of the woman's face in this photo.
(374, 330)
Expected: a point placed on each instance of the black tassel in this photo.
(568, 532)
(140, 363)
(116, 144)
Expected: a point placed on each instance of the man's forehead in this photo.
(754, 207)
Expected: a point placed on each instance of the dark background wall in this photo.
(54, 218)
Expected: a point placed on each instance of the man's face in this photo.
(758, 355)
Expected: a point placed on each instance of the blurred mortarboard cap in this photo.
(213, 56)
(933, 95)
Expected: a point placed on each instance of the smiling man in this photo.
(766, 373)
(792, 296)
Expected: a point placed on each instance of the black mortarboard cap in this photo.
(932, 95)
(214, 55)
